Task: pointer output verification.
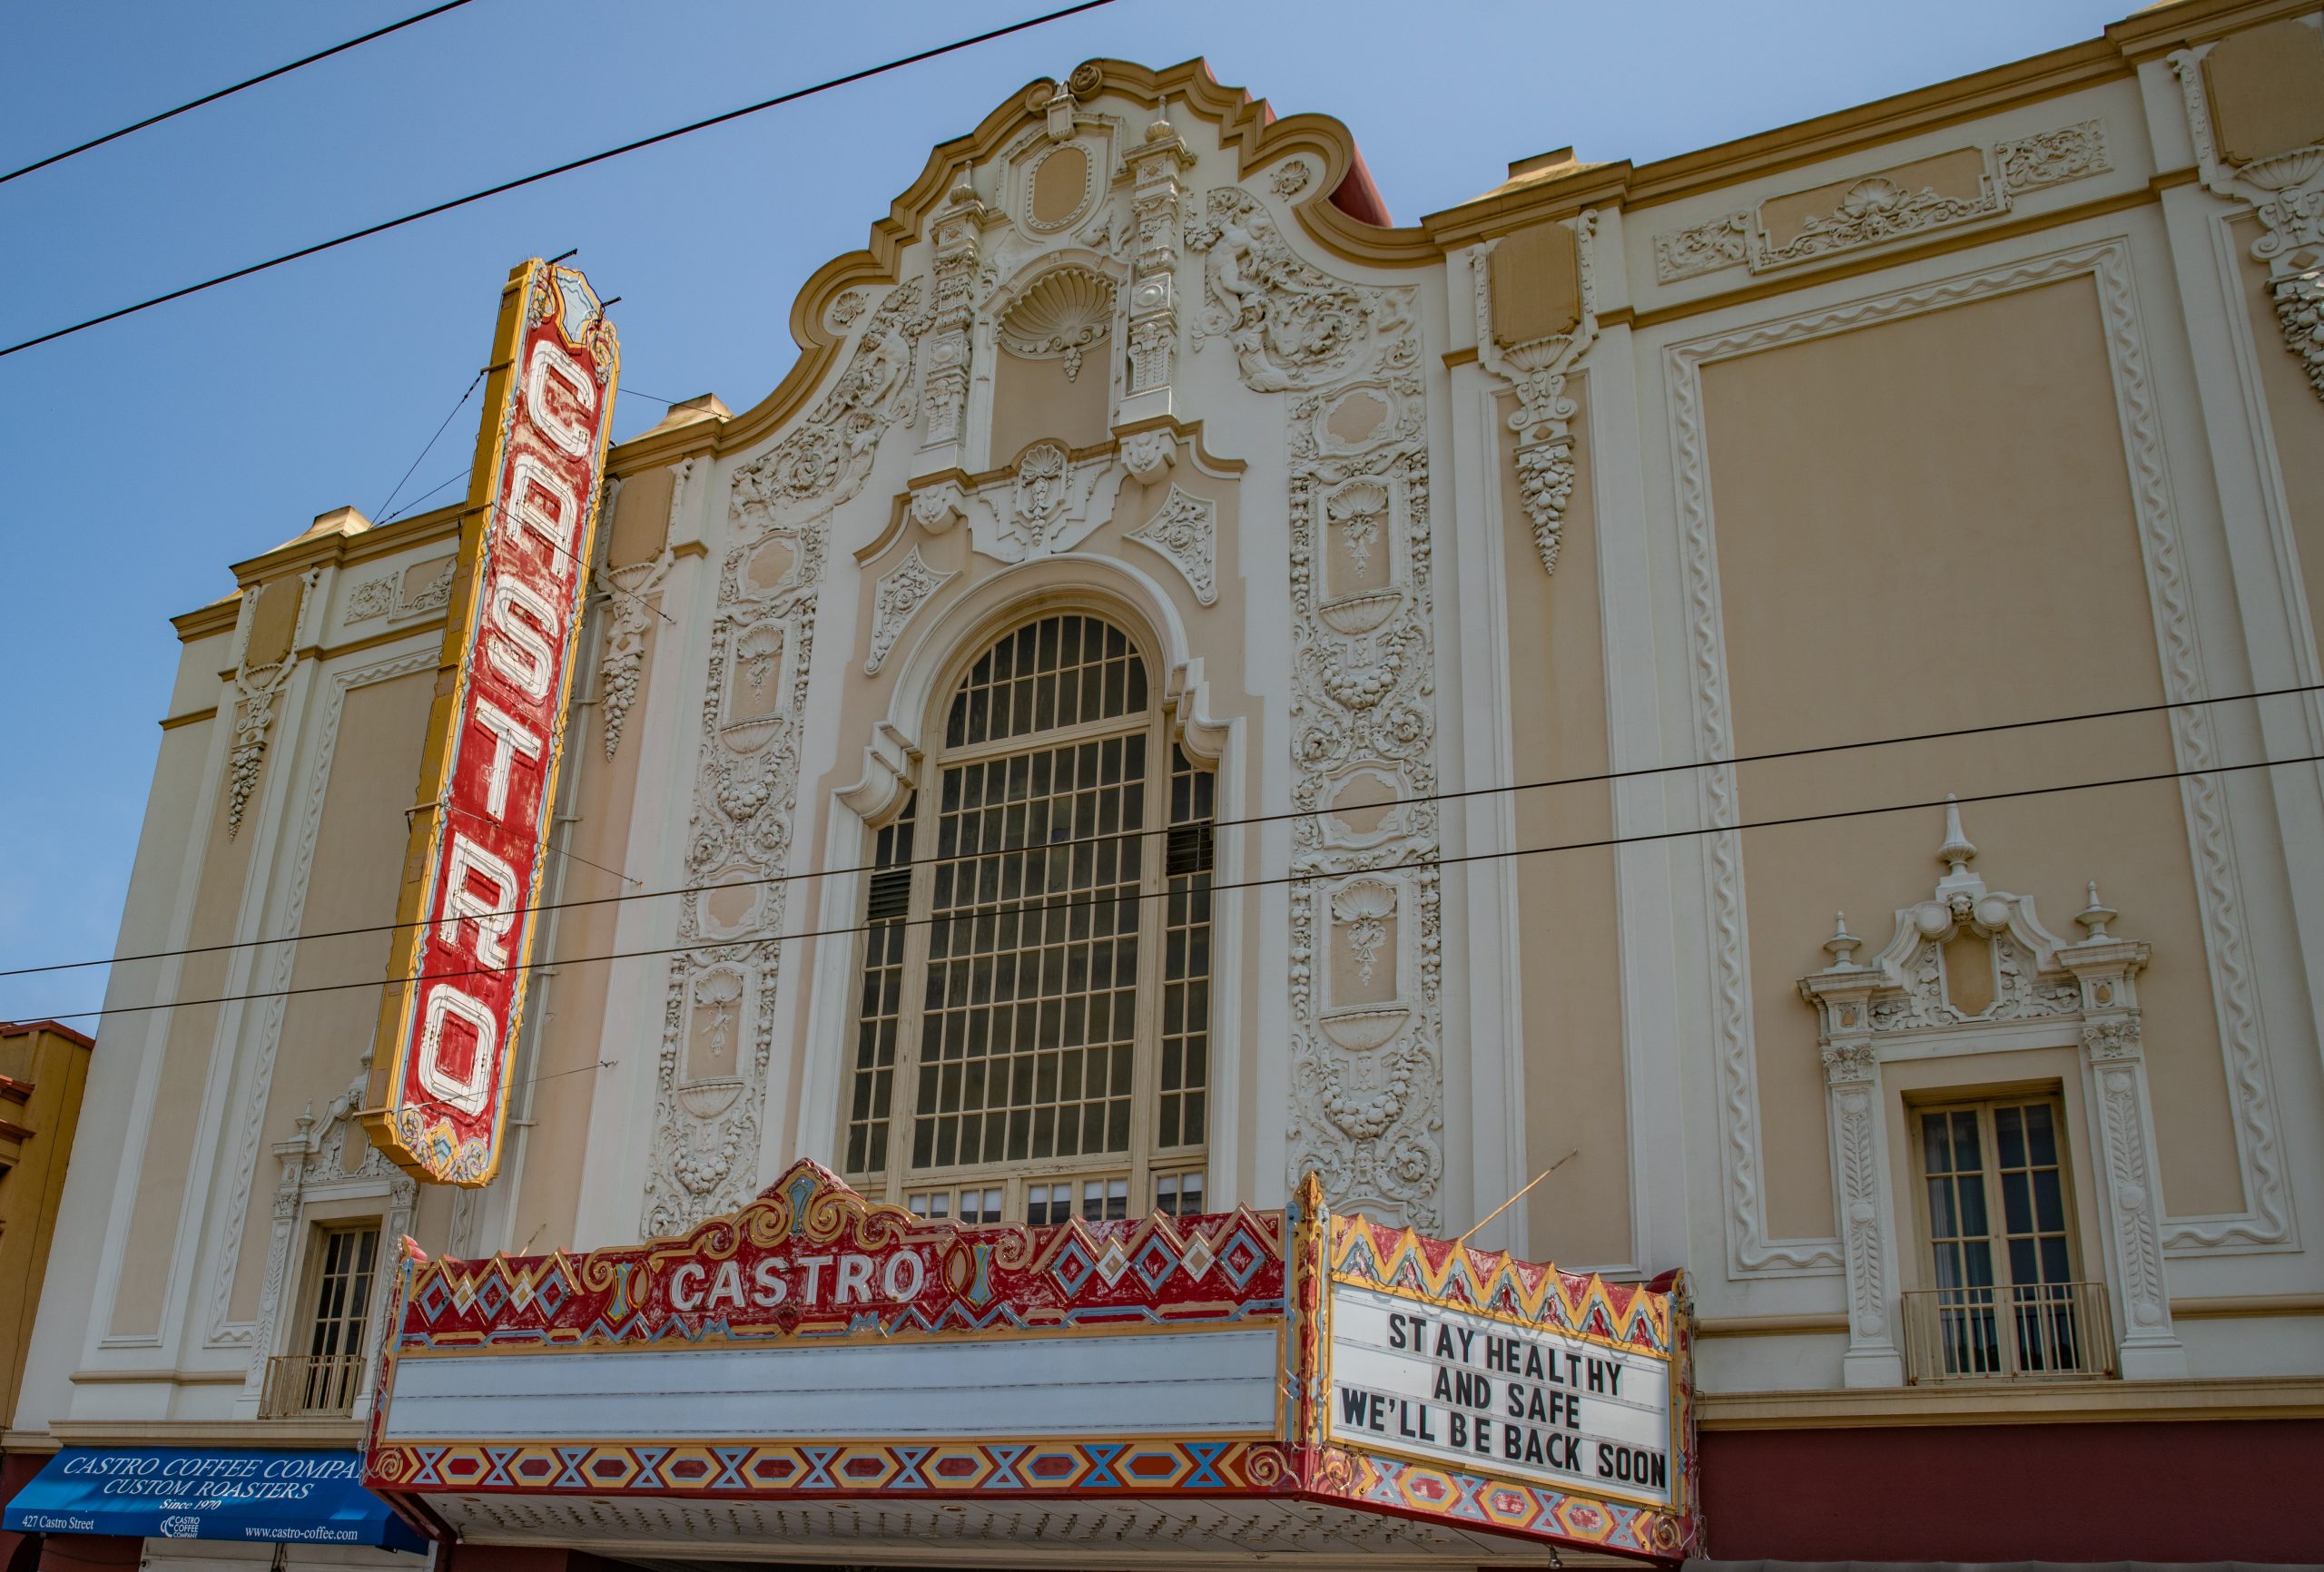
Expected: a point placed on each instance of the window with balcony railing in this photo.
(326, 1378)
(1994, 1208)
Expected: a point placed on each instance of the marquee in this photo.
(1290, 1380)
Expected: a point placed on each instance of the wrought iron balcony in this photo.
(311, 1385)
(2036, 1331)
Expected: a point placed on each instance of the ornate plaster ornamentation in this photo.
(1292, 179)
(2287, 193)
(628, 617)
(2300, 308)
(938, 508)
(1059, 317)
(2089, 988)
(628, 622)
(250, 1122)
(1041, 492)
(1148, 455)
(372, 598)
(954, 274)
(1367, 1054)
(256, 687)
(823, 462)
(1154, 169)
(1873, 211)
(253, 715)
(911, 584)
(1536, 372)
(705, 1142)
(2266, 1221)
(847, 309)
(1291, 324)
(330, 1160)
(1184, 531)
(394, 596)
(2288, 196)
(1705, 249)
(2054, 157)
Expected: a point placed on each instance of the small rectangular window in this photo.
(1179, 1194)
(2005, 1299)
(1105, 1200)
(350, 1257)
(1048, 1204)
(324, 1371)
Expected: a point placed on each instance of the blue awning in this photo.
(205, 1493)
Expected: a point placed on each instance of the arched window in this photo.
(1033, 1029)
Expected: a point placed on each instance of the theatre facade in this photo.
(1634, 871)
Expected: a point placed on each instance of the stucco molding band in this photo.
(223, 1331)
(2266, 1221)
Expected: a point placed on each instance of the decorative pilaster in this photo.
(2114, 1070)
(1157, 199)
(1842, 993)
(945, 402)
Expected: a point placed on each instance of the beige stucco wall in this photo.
(571, 1032)
(163, 1161)
(1572, 979)
(1926, 525)
(352, 884)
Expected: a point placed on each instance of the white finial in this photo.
(1842, 944)
(1957, 849)
(2096, 916)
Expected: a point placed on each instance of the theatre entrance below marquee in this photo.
(825, 1379)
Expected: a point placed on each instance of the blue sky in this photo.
(140, 458)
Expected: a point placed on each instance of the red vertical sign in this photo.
(448, 1029)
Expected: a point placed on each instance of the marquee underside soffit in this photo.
(1054, 1531)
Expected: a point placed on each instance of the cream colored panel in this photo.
(274, 625)
(1571, 952)
(1536, 285)
(161, 1167)
(1926, 525)
(352, 883)
(1032, 400)
(2267, 91)
(642, 517)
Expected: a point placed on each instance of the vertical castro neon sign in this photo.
(446, 1037)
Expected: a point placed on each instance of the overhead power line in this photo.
(1215, 825)
(1039, 905)
(566, 168)
(230, 92)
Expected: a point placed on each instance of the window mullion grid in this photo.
(1153, 929)
(903, 1090)
(1997, 1240)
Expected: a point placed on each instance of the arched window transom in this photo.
(1033, 1031)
